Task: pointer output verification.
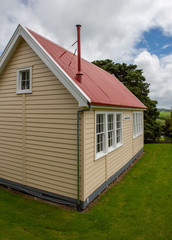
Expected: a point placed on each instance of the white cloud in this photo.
(166, 46)
(158, 73)
(110, 29)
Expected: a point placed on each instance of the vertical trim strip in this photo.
(24, 139)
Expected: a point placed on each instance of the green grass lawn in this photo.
(136, 208)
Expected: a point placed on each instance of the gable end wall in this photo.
(38, 133)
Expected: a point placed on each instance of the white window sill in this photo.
(119, 145)
(24, 91)
(100, 155)
(137, 135)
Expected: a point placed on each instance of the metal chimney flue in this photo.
(79, 73)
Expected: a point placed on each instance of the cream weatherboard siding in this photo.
(137, 142)
(38, 137)
(38, 134)
(96, 172)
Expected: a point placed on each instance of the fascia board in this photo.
(10, 48)
(116, 108)
(72, 87)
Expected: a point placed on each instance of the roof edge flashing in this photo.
(10, 48)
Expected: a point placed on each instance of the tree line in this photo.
(133, 79)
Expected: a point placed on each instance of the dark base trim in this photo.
(109, 181)
(62, 199)
(39, 193)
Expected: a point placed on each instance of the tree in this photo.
(134, 80)
(167, 128)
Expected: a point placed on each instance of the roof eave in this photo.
(116, 107)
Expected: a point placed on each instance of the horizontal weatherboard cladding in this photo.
(46, 195)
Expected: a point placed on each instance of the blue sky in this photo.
(156, 42)
(131, 31)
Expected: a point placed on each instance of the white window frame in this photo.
(100, 133)
(137, 124)
(18, 86)
(112, 131)
(119, 129)
(115, 145)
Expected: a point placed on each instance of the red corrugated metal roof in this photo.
(100, 86)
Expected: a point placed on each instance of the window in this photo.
(118, 128)
(99, 133)
(134, 124)
(110, 130)
(108, 133)
(137, 123)
(24, 80)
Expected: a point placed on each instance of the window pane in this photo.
(110, 129)
(118, 136)
(101, 127)
(97, 128)
(118, 120)
(110, 139)
(118, 116)
(27, 84)
(110, 117)
(110, 121)
(137, 123)
(22, 84)
(25, 79)
(118, 125)
(118, 128)
(99, 142)
(99, 123)
(28, 75)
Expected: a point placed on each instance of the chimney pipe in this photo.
(79, 73)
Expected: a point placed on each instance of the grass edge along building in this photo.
(67, 127)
